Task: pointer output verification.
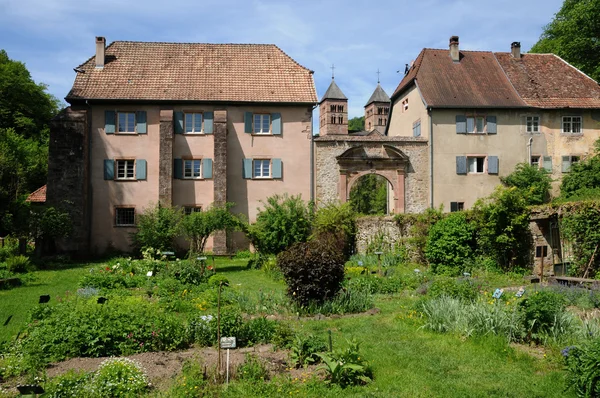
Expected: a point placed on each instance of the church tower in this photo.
(377, 110)
(333, 111)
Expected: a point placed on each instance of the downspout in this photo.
(529, 150)
(430, 157)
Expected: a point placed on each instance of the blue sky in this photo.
(359, 37)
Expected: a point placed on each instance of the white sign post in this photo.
(228, 342)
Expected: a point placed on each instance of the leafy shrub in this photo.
(67, 385)
(118, 377)
(580, 226)
(459, 288)
(9, 248)
(346, 368)
(416, 228)
(533, 182)
(190, 383)
(582, 176)
(541, 310)
(18, 264)
(253, 369)
(110, 278)
(376, 284)
(283, 221)
(189, 272)
(199, 226)
(338, 219)
(218, 280)
(258, 331)
(347, 301)
(157, 227)
(313, 271)
(202, 329)
(583, 368)
(449, 244)
(283, 336)
(304, 350)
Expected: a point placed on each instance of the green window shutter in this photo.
(109, 122)
(247, 168)
(491, 125)
(208, 122)
(461, 124)
(461, 165)
(248, 122)
(548, 163)
(566, 164)
(177, 168)
(140, 169)
(453, 206)
(277, 168)
(178, 119)
(140, 122)
(109, 169)
(276, 126)
(207, 168)
(492, 164)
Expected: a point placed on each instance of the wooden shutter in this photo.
(461, 124)
(417, 129)
(109, 122)
(277, 171)
(208, 122)
(470, 124)
(276, 126)
(548, 163)
(248, 122)
(140, 169)
(492, 127)
(178, 119)
(177, 168)
(109, 169)
(492, 164)
(207, 168)
(140, 122)
(453, 206)
(247, 168)
(566, 164)
(461, 165)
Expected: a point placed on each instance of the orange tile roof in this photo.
(195, 72)
(38, 196)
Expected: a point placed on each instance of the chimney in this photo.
(100, 47)
(454, 53)
(515, 49)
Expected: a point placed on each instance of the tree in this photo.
(157, 227)
(574, 34)
(533, 183)
(369, 195)
(583, 179)
(199, 226)
(450, 243)
(356, 124)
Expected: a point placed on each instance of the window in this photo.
(475, 164)
(126, 122)
(417, 128)
(191, 168)
(340, 108)
(193, 123)
(340, 120)
(187, 210)
(475, 125)
(261, 168)
(568, 161)
(457, 206)
(124, 216)
(533, 124)
(262, 123)
(571, 124)
(332, 108)
(125, 169)
(535, 161)
(380, 122)
(333, 120)
(405, 105)
(541, 251)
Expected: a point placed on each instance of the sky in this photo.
(358, 37)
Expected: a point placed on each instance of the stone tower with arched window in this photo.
(333, 111)
(377, 110)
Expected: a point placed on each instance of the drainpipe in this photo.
(430, 158)
(529, 150)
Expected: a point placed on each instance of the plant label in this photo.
(228, 342)
(149, 274)
(520, 293)
(498, 293)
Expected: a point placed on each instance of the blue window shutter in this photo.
(417, 129)
(470, 125)
(177, 168)
(461, 124)
(491, 125)
(276, 126)
(461, 165)
(207, 168)
(492, 164)
(109, 169)
(247, 168)
(140, 122)
(140, 169)
(178, 122)
(208, 122)
(109, 122)
(277, 169)
(548, 163)
(248, 122)
(566, 164)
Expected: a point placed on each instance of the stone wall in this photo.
(370, 228)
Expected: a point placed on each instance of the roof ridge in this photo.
(577, 69)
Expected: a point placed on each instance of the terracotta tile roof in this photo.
(476, 81)
(547, 81)
(367, 138)
(38, 196)
(195, 72)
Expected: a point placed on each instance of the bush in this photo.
(347, 301)
(18, 264)
(283, 221)
(202, 329)
(533, 183)
(118, 377)
(346, 368)
(541, 311)
(253, 369)
(259, 331)
(218, 280)
(157, 227)
(450, 244)
(304, 350)
(110, 278)
(313, 272)
(583, 368)
(70, 384)
(337, 219)
(458, 288)
(580, 227)
(189, 272)
(199, 226)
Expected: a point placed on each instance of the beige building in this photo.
(483, 112)
(189, 125)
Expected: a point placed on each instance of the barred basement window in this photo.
(192, 209)
(124, 216)
(541, 251)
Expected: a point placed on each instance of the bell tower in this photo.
(377, 110)
(333, 111)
